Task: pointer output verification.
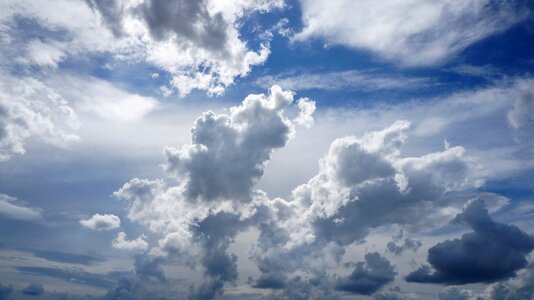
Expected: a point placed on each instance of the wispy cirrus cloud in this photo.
(353, 80)
(411, 33)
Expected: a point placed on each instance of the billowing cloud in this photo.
(411, 33)
(368, 276)
(493, 251)
(198, 43)
(14, 209)
(101, 222)
(33, 289)
(138, 244)
(30, 109)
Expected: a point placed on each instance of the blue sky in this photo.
(266, 149)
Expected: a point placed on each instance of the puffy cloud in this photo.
(30, 109)
(12, 208)
(416, 32)
(307, 108)
(227, 155)
(120, 242)
(368, 276)
(493, 251)
(101, 222)
(34, 289)
(198, 42)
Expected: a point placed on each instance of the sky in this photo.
(266, 149)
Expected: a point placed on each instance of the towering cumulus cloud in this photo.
(493, 251)
(209, 181)
(209, 196)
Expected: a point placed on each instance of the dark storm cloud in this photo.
(72, 276)
(34, 289)
(70, 258)
(369, 276)
(493, 251)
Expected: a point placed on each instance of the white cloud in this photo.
(103, 99)
(216, 171)
(197, 42)
(101, 222)
(31, 109)
(345, 80)
(120, 242)
(414, 32)
(12, 208)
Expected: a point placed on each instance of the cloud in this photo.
(366, 81)
(307, 108)
(65, 257)
(70, 275)
(101, 222)
(369, 276)
(104, 99)
(453, 293)
(226, 157)
(5, 292)
(493, 251)
(199, 43)
(12, 208)
(34, 289)
(397, 248)
(299, 288)
(414, 33)
(120, 242)
(521, 287)
(31, 110)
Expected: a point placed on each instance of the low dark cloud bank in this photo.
(492, 252)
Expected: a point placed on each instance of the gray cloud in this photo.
(70, 275)
(34, 289)
(14, 209)
(65, 257)
(453, 293)
(369, 276)
(493, 251)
